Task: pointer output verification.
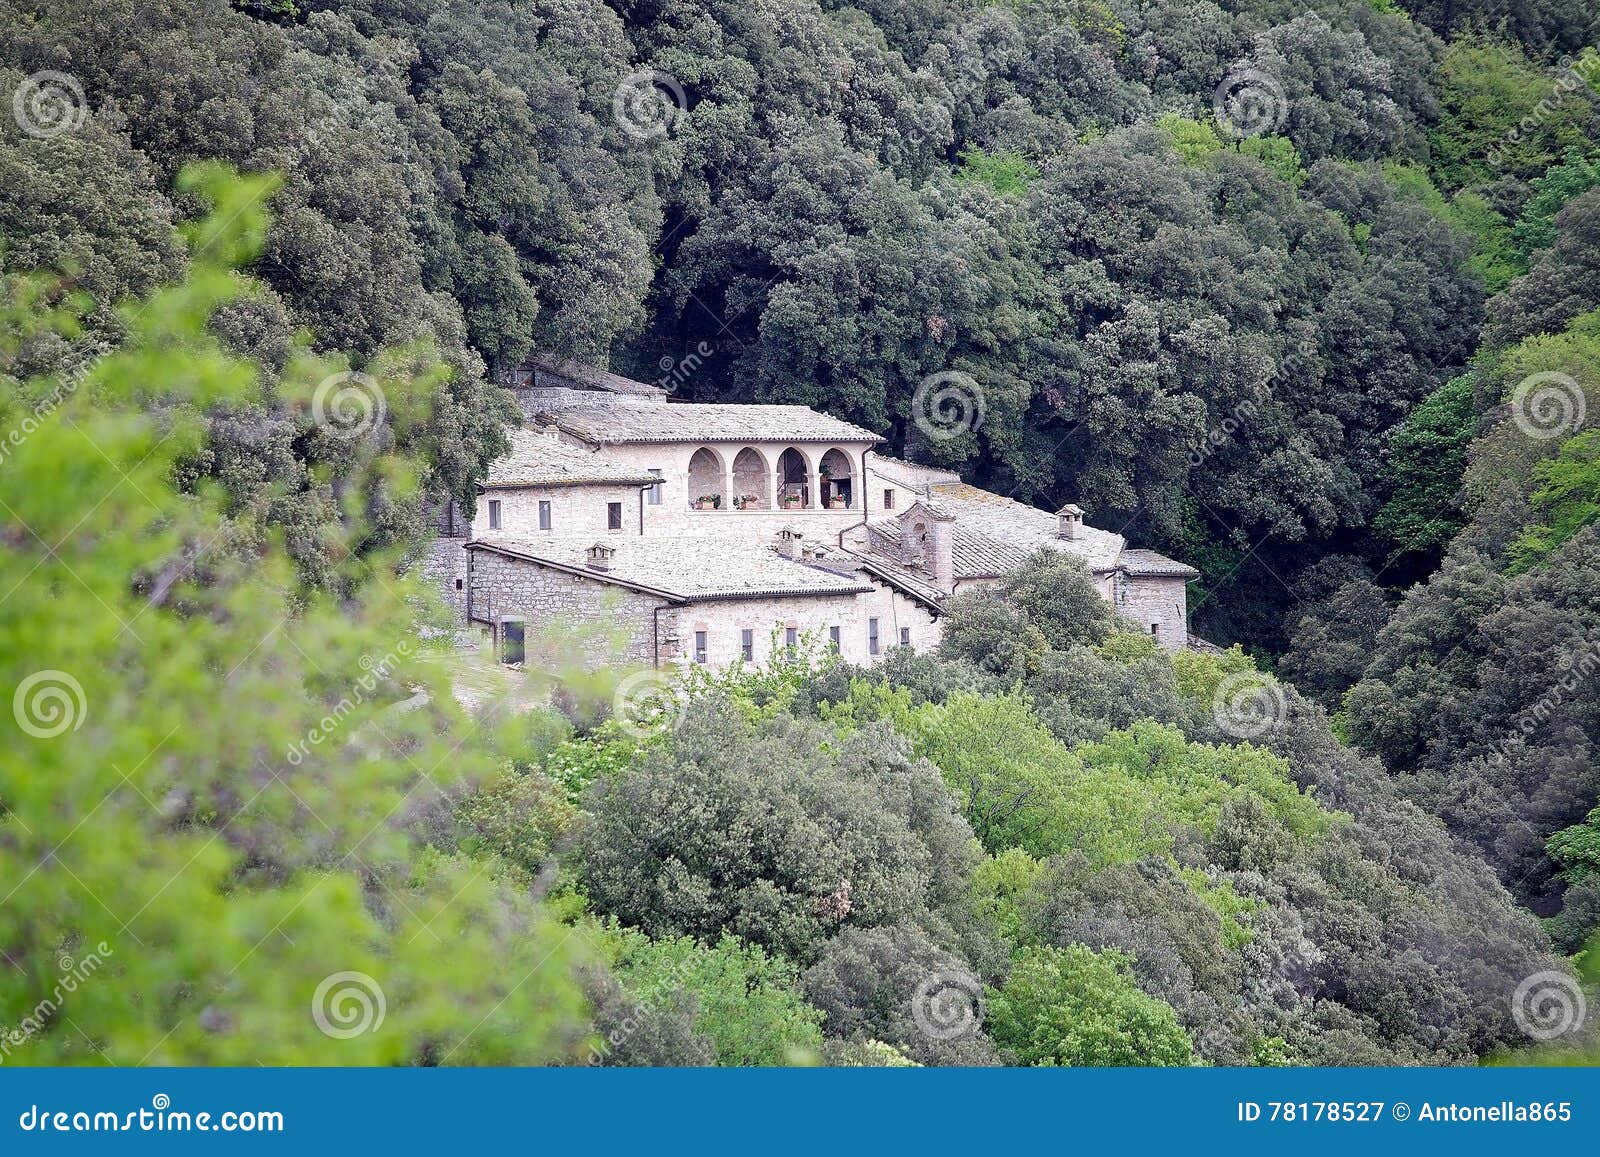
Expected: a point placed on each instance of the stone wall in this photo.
(724, 622)
(443, 564)
(571, 614)
(1161, 603)
(573, 510)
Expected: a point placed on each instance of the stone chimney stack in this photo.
(600, 556)
(789, 540)
(1069, 522)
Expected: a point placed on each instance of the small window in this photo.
(872, 636)
(905, 636)
(613, 516)
(747, 645)
(1155, 630)
(544, 515)
(833, 637)
(699, 646)
(458, 584)
(494, 514)
(888, 498)
(656, 491)
(791, 637)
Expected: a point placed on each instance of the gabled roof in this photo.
(1149, 563)
(911, 475)
(539, 459)
(566, 372)
(682, 569)
(994, 533)
(608, 419)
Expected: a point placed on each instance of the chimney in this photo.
(789, 542)
(1069, 522)
(600, 556)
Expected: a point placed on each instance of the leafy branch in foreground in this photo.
(215, 789)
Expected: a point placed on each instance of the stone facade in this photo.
(862, 555)
(576, 614)
(573, 510)
(1158, 604)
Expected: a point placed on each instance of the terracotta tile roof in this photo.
(609, 419)
(536, 459)
(684, 569)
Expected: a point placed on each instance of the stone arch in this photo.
(752, 477)
(837, 478)
(707, 477)
(794, 476)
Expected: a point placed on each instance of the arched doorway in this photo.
(794, 480)
(752, 481)
(837, 480)
(706, 479)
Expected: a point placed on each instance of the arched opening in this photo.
(837, 480)
(914, 545)
(794, 481)
(752, 481)
(706, 478)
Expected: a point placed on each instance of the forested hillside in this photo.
(1305, 294)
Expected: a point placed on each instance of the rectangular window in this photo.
(613, 516)
(656, 491)
(458, 584)
(905, 636)
(888, 498)
(544, 515)
(791, 637)
(1155, 630)
(833, 637)
(494, 514)
(699, 646)
(872, 636)
(747, 645)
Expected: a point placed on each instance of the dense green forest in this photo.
(1306, 294)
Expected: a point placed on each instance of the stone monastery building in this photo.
(713, 533)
